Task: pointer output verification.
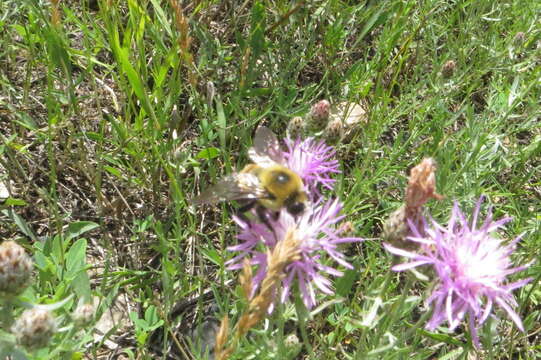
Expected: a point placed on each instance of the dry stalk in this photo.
(184, 41)
(421, 187)
(283, 254)
(55, 13)
(246, 279)
(244, 66)
(221, 353)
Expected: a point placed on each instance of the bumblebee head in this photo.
(296, 203)
(296, 208)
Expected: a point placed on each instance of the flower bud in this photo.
(295, 128)
(395, 229)
(448, 69)
(34, 328)
(83, 314)
(319, 114)
(334, 130)
(520, 37)
(291, 341)
(421, 186)
(15, 268)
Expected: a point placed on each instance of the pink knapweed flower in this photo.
(471, 267)
(316, 228)
(320, 236)
(313, 161)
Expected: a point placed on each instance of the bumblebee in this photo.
(264, 185)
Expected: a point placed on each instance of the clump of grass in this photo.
(103, 120)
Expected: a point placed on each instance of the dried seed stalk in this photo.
(421, 187)
(284, 253)
(184, 41)
(55, 13)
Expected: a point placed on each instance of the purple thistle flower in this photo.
(318, 233)
(471, 266)
(313, 161)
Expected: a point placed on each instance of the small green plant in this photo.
(39, 318)
(145, 326)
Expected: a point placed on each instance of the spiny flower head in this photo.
(296, 127)
(34, 328)
(83, 314)
(319, 114)
(15, 268)
(448, 69)
(334, 130)
(319, 236)
(471, 267)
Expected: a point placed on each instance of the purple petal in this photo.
(410, 265)
(512, 314)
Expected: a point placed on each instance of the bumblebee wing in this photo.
(266, 150)
(233, 187)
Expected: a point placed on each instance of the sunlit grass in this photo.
(117, 113)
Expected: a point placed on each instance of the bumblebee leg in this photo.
(249, 205)
(262, 214)
(275, 215)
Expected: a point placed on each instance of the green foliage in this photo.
(62, 276)
(143, 327)
(103, 136)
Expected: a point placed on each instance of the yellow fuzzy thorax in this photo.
(280, 183)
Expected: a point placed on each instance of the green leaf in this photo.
(21, 224)
(140, 323)
(152, 319)
(77, 356)
(208, 153)
(14, 202)
(81, 286)
(56, 244)
(76, 256)
(345, 283)
(54, 306)
(377, 18)
(454, 354)
(76, 269)
(160, 14)
(78, 228)
(257, 31)
(136, 84)
(94, 136)
(441, 337)
(213, 256)
(27, 121)
(114, 171)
